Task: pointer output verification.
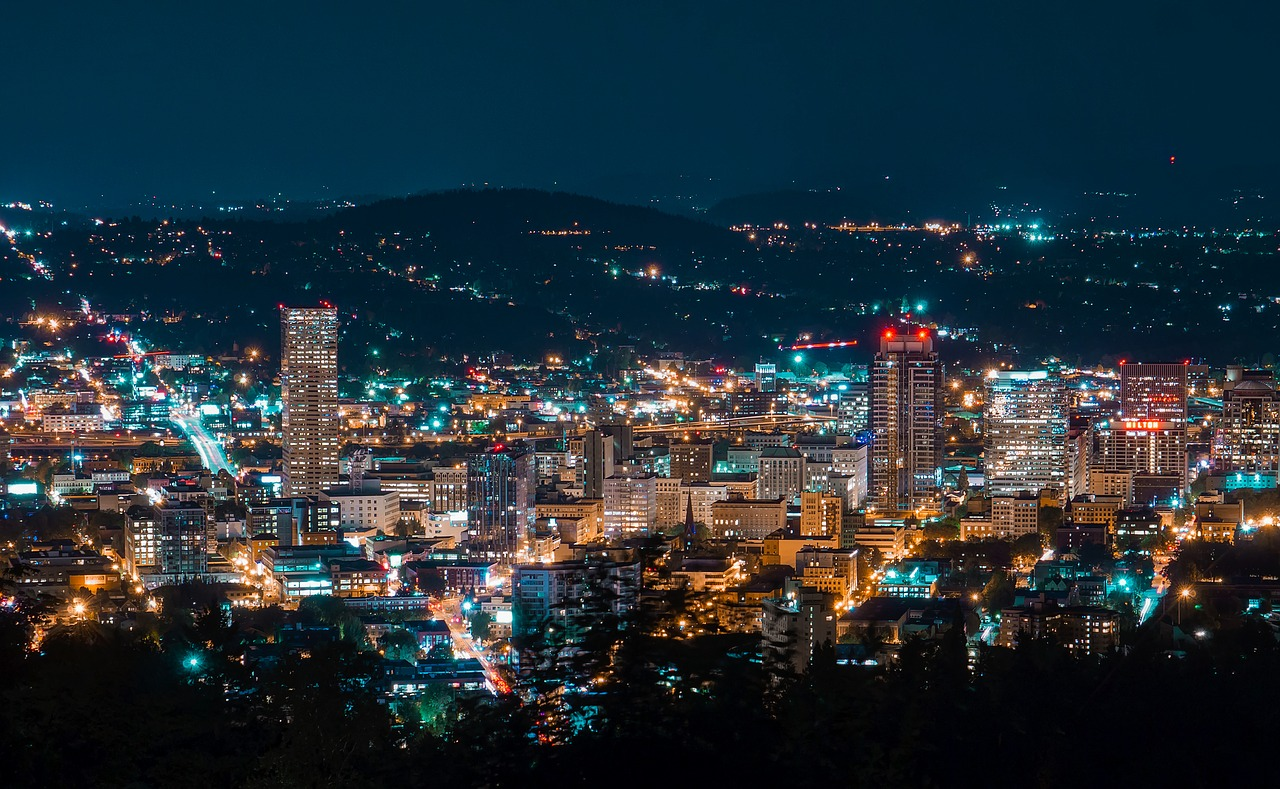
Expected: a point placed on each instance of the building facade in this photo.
(309, 397)
(906, 421)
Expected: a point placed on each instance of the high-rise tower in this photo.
(1024, 427)
(309, 391)
(906, 423)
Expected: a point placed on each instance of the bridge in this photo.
(734, 423)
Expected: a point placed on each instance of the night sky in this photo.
(105, 106)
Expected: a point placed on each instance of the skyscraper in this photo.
(1153, 392)
(500, 505)
(692, 462)
(766, 377)
(1024, 424)
(1247, 446)
(309, 391)
(906, 422)
(1151, 438)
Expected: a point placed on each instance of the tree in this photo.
(1049, 520)
(1028, 547)
(942, 529)
(399, 645)
(481, 621)
(441, 651)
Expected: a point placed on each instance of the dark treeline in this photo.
(179, 705)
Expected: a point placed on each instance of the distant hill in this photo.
(480, 222)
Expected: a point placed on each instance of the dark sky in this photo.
(108, 102)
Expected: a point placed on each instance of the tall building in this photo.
(692, 462)
(182, 540)
(630, 504)
(1024, 425)
(766, 377)
(598, 459)
(781, 473)
(1153, 392)
(500, 505)
(906, 421)
(1151, 437)
(309, 393)
(853, 412)
(821, 514)
(1247, 446)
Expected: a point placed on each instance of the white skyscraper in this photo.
(309, 391)
(1025, 433)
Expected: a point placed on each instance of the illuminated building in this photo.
(141, 541)
(906, 421)
(700, 498)
(692, 462)
(886, 535)
(1155, 452)
(449, 489)
(1111, 483)
(1150, 438)
(309, 396)
(748, 519)
(781, 473)
(598, 459)
(1015, 515)
(766, 377)
(1082, 630)
(1246, 447)
(589, 514)
(1216, 520)
(853, 411)
(1079, 449)
(1025, 433)
(182, 535)
(820, 514)
(500, 505)
(366, 507)
(1095, 509)
(630, 504)
(1153, 392)
(356, 577)
(919, 579)
(829, 570)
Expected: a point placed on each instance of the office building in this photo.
(1246, 448)
(309, 397)
(630, 504)
(366, 506)
(692, 462)
(820, 514)
(906, 420)
(766, 377)
(182, 547)
(1025, 433)
(1153, 392)
(500, 505)
(781, 473)
(747, 519)
(853, 411)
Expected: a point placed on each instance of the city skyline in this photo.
(508, 394)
